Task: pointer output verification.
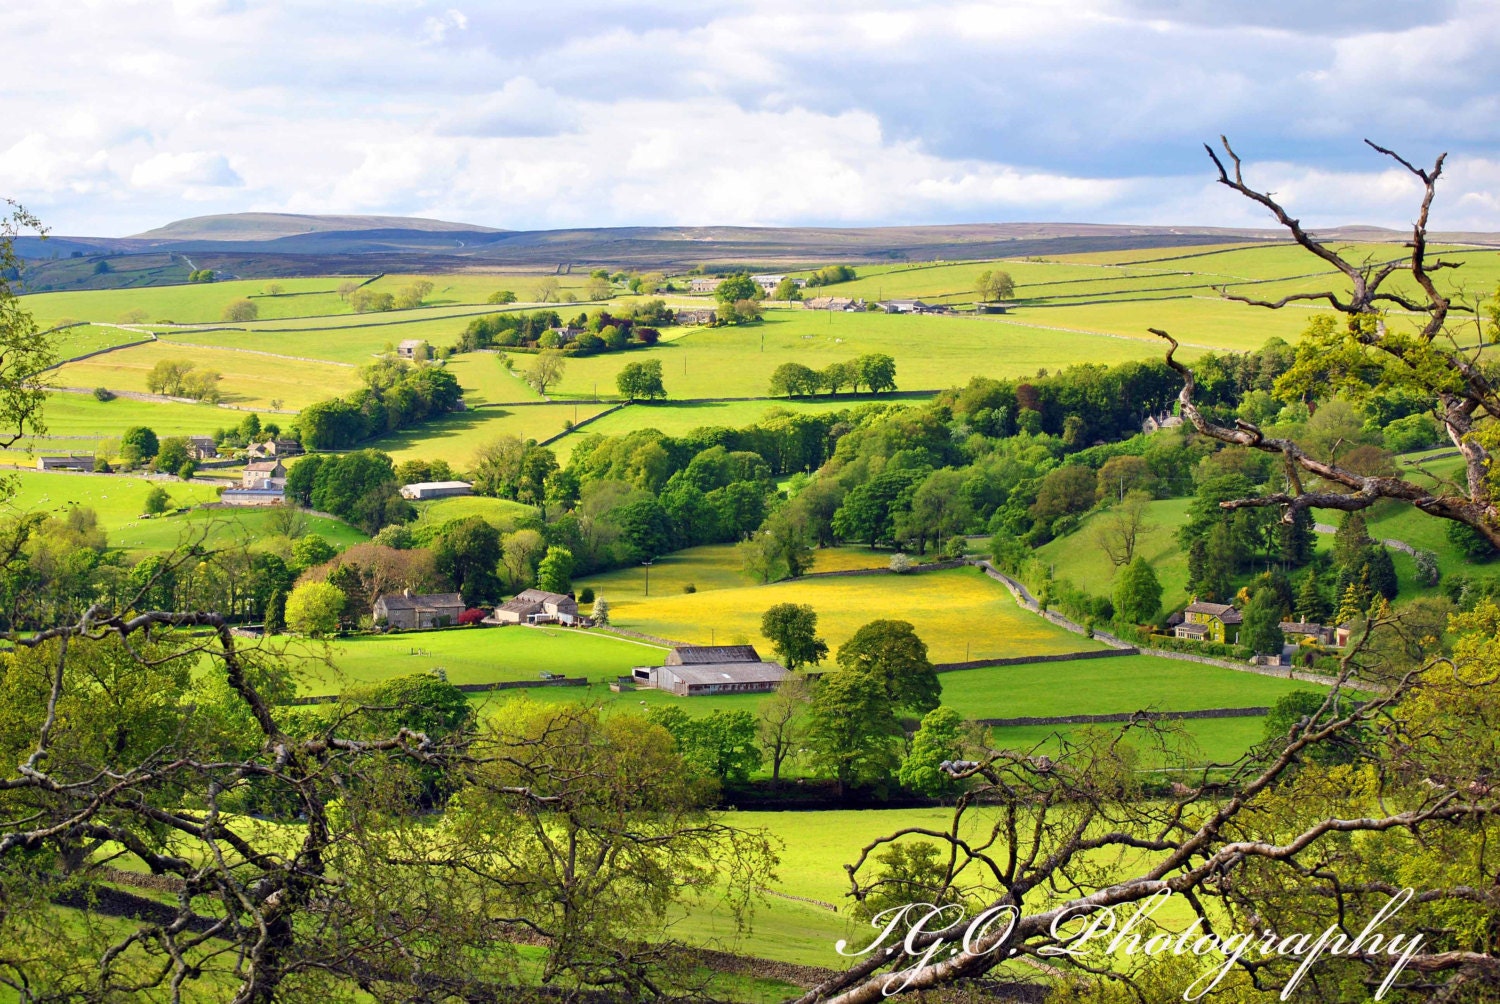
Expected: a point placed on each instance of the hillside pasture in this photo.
(477, 655)
(116, 499)
(716, 566)
(221, 526)
(80, 339)
(501, 513)
(931, 352)
(457, 436)
(959, 613)
(83, 419)
(249, 379)
(190, 303)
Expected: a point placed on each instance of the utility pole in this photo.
(648, 576)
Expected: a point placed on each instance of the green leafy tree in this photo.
(736, 288)
(313, 609)
(172, 454)
(787, 289)
(890, 651)
(941, 737)
(138, 444)
(782, 725)
(468, 552)
(555, 573)
(241, 310)
(312, 550)
(877, 371)
(545, 370)
(852, 728)
(1304, 710)
(1261, 629)
(641, 381)
(501, 296)
(1137, 593)
(994, 285)
(793, 630)
(157, 500)
(721, 744)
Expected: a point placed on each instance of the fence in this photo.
(1153, 716)
(474, 688)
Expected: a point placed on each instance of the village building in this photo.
(202, 447)
(912, 307)
(566, 334)
(436, 490)
(770, 282)
(837, 303)
(703, 285)
(536, 606)
(274, 448)
(991, 308)
(408, 611)
(412, 348)
(72, 462)
(700, 670)
(1317, 634)
(701, 315)
(269, 495)
(1201, 621)
(1166, 420)
(264, 474)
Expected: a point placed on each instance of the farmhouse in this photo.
(1316, 634)
(263, 474)
(412, 348)
(702, 285)
(536, 606)
(253, 496)
(700, 315)
(700, 670)
(770, 282)
(1165, 420)
(412, 612)
(274, 448)
(1202, 621)
(202, 447)
(566, 334)
(436, 490)
(73, 462)
(841, 303)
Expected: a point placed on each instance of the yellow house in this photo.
(1217, 622)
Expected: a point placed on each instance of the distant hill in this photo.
(270, 226)
(265, 245)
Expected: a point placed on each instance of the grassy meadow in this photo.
(502, 513)
(250, 379)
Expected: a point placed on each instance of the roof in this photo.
(263, 465)
(1303, 627)
(272, 490)
(412, 342)
(704, 655)
(434, 485)
(201, 439)
(1188, 627)
(528, 598)
(1223, 611)
(729, 672)
(407, 601)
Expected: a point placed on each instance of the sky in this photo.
(122, 115)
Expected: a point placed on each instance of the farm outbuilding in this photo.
(536, 606)
(436, 490)
(415, 611)
(700, 670)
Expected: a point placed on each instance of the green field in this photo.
(1107, 686)
(482, 655)
(715, 566)
(457, 436)
(75, 341)
(220, 526)
(502, 513)
(1079, 559)
(117, 499)
(250, 379)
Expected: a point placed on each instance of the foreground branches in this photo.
(1415, 350)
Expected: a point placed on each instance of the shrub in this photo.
(473, 615)
(900, 563)
(313, 609)
(586, 595)
(157, 500)
(241, 310)
(690, 588)
(103, 394)
(1428, 572)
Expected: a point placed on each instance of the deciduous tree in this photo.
(793, 630)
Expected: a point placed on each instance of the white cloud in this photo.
(190, 169)
(437, 28)
(122, 114)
